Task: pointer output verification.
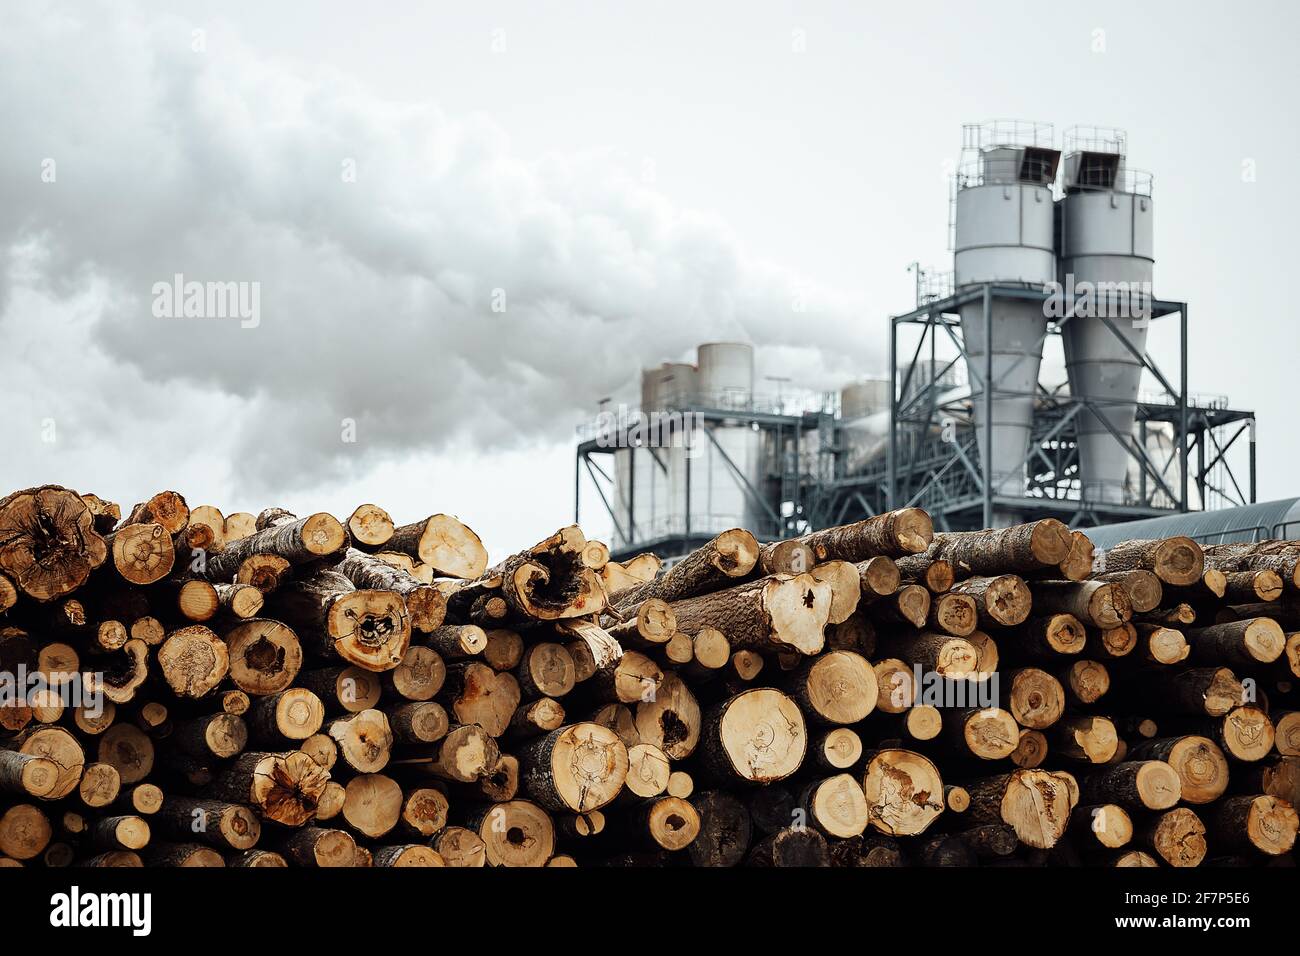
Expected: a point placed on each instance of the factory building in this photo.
(1053, 254)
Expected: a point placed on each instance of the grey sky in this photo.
(635, 177)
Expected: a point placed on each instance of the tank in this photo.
(859, 399)
(1004, 234)
(719, 499)
(1106, 249)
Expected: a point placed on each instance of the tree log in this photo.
(444, 543)
(367, 628)
(891, 535)
(757, 735)
(904, 792)
(193, 661)
(1178, 561)
(48, 542)
(1035, 803)
(1022, 549)
(1001, 601)
(425, 605)
(578, 768)
(284, 787)
(1201, 767)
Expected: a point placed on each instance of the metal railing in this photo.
(1095, 139)
(1137, 182)
(1007, 132)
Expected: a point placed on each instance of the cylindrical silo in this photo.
(865, 397)
(1106, 264)
(1004, 235)
(719, 498)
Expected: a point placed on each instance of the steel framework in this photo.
(933, 459)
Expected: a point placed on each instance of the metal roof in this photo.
(1267, 519)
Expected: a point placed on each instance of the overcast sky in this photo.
(626, 179)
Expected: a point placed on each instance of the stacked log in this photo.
(203, 689)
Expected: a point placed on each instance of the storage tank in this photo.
(1106, 249)
(719, 499)
(866, 397)
(1004, 234)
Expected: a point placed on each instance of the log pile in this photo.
(187, 688)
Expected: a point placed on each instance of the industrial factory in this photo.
(1022, 384)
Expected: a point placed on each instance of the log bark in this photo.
(1136, 784)
(1000, 601)
(447, 545)
(1022, 549)
(1247, 643)
(367, 628)
(425, 605)
(727, 558)
(1177, 561)
(725, 830)
(891, 535)
(217, 823)
(909, 605)
(318, 537)
(577, 768)
(791, 847)
(1254, 823)
(1035, 803)
(1100, 604)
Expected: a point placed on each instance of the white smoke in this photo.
(382, 235)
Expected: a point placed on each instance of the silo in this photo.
(657, 468)
(719, 499)
(1004, 234)
(1106, 253)
(865, 397)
